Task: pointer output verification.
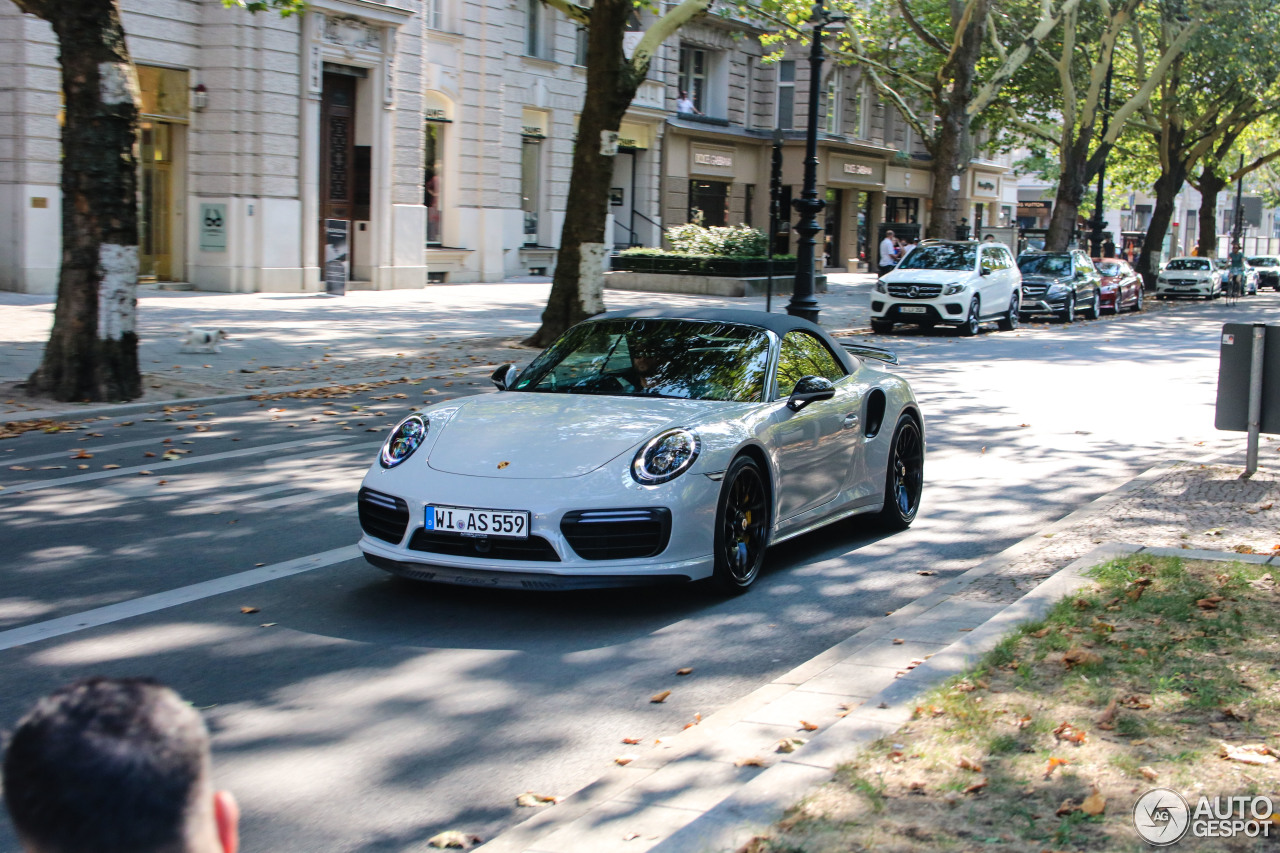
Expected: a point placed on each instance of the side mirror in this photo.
(985, 271)
(505, 376)
(808, 389)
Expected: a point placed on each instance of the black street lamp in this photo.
(808, 205)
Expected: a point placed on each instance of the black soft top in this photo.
(779, 324)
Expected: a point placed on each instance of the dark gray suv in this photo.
(1060, 283)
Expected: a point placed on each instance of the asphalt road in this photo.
(353, 711)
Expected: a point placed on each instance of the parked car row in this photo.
(964, 283)
(1207, 278)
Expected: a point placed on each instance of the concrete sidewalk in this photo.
(713, 787)
(284, 340)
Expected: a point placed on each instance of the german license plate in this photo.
(913, 309)
(472, 521)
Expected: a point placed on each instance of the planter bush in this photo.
(736, 251)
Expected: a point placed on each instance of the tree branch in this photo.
(1031, 128)
(662, 29)
(40, 8)
(918, 28)
(1013, 61)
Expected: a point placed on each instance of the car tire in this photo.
(1095, 310)
(881, 327)
(969, 327)
(1137, 301)
(742, 526)
(1009, 321)
(904, 479)
(1068, 312)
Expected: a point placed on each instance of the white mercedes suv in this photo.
(960, 283)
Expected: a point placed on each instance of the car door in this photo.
(991, 288)
(813, 448)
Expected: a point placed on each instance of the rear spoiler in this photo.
(868, 351)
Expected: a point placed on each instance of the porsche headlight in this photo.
(880, 286)
(953, 289)
(404, 439)
(665, 457)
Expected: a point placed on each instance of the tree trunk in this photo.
(1072, 183)
(92, 353)
(1166, 189)
(952, 149)
(577, 289)
(1211, 186)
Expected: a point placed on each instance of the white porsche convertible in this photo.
(647, 446)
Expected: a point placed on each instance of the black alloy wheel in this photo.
(970, 326)
(1068, 313)
(1009, 321)
(1095, 310)
(742, 526)
(904, 481)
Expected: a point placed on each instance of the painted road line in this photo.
(159, 467)
(100, 616)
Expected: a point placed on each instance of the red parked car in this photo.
(1121, 285)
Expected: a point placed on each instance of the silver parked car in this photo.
(647, 447)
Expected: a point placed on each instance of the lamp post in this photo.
(1237, 227)
(1099, 221)
(775, 208)
(809, 205)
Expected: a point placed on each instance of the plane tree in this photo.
(943, 65)
(92, 352)
(613, 77)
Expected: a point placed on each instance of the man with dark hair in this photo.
(116, 766)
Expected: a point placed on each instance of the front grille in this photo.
(382, 516)
(535, 548)
(922, 291)
(1183, 282)
(1034, 291)
(617, 534)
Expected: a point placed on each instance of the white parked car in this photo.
(1189, 277)
(959, 283)
(1268, 267)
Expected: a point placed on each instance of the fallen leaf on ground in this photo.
(82, 454)
(631, 740)
(1107, 720)
(1094, 804)
(531, 800)
(631, 836)
(753, 761)
(1210, 603)
(684, 670)
(248, 610)
(1069, 733)
(624, 760)
(1041, 634)
(976, 787)
(790, 744)
(660, 697)
(926, 572)
(1249, 753)
(697, 718)
(1054, 764)
(454, 840)
(1076, 656)
(1149, 773)
(1068, 806)
(898, 642)
(808, 727)
(967, 764)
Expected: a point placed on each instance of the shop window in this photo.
(530, 187)
(902, 209)
(709, 202)
(434, 180)
(786, 99)
(835, 94)
(694, 66)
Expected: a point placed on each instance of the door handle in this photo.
(850, 421)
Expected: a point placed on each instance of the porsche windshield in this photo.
(940, 258)
(693, 359)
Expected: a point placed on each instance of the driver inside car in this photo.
(648, 364)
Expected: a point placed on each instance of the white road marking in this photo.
(100, 616)
(158, 467)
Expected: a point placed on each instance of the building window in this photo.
(749, 203)
(435, 14)
(859, 107)
(536, 37)
(709, 202)
(693, 75)
(834, 95)
(902, 209)
(434, 175)
(530, 186)
(786, 100)
(580, 47)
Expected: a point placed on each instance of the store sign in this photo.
(987, 186)
(435, 114)
(213, 227)
(719, 161)
(534, 123)
(857, 169)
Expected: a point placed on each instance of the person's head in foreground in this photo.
(107, 765)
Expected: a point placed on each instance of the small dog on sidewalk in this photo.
(203, 340)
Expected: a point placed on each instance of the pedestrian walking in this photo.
(888, 252)
(109, 765)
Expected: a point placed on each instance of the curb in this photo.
(697, 797)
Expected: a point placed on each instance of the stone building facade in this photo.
(396, 144)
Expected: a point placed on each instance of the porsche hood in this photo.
(519, 435)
